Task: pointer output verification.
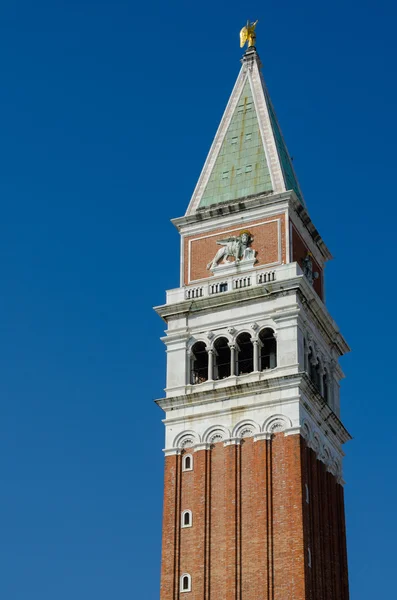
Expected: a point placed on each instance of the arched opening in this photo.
(199, 371)
(306, 356)
(268, 358)
(187, 463)
(317, 376)
(311, 366)
(187, 518)
(245, 359)
(222, 359)
(186, 584)
(326, 386)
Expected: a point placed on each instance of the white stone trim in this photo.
(186, 512)
(186, 439)
(269, 142)
(251, 72)
(323, 448)
(276, 423)
(288, 248)
(184, 467)
(245, 428)
(292, 431)
(263, 435)
(172, 451)
(217, 142)
(182, 260)
(216, 433)
(202, 446)
(236, 441)
(181, 583)
(273, 205)
(261, 129)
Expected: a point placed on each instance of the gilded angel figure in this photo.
(247, 34)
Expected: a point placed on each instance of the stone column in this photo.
(232, 359)
(189, 359)
(255, 343)
(210, 364)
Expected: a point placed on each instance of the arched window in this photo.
(307, 493)
(312, 366)
(187, 462)
(268, 349)
(326, 386)
(317, 376)
(306, 356)
(245, 360)
(186, 520)
(222, 358)
(199, 371)
(186, 583)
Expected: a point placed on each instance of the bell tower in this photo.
(253, 490)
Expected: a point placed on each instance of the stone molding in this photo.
(294, 284)
(235, 441)
(263, 435)
(202, 446)
(315, 439)
(172, 451)
(321, 445)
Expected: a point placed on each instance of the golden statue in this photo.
(247, 34)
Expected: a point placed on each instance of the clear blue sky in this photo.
(107, 110)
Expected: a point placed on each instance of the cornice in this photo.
(166, 311)
(226, 209)
(320, 315)
(321, 412)
(298, 284)
(245, 205)
(303, 215)
(200, 398)
(310, 399)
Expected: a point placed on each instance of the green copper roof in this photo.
(240, 168)
(290, 180)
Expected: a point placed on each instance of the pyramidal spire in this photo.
(248, 155)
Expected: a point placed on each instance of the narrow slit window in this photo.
(187, 520)
(187, 463)
(186, 583)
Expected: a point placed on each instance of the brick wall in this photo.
(299, 252)
(199, 250)
(325, 533)
(252, 526)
